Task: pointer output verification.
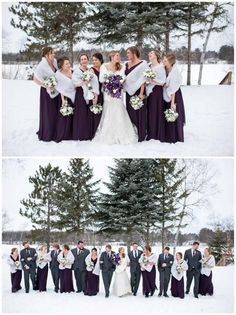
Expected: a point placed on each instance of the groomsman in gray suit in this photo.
(165, 262)
(135, 270)
(193, 257)
(54, 266)
(28, 257)
(107, 266)
(79, 266)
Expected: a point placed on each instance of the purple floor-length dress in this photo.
(138, 117)
(66, 282)
(95, 118)
(42, 276)
(92, 281)
(174, 131)
(64, 124)
(48, 116)
(81, 117)
(16, 280)
(149, 281)
(155, 115)
(177, 287)
(206, 285)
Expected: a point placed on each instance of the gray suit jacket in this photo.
(193, 261)
(79, 262)
(26, 253)
(106, 263)
(168, 261)
(134, 264)
(54, 262)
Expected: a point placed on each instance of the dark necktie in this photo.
(135, 254)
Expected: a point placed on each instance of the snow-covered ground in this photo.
(50, 302)
(208, 132)
(212, 73)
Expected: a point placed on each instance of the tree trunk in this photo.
(71, 46)
(48, 240)
(167, 35)
(189, 46)
(205, 44)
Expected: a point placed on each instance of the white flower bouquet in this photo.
(90, 266)
(136, 102)
(179, 267)
(65, 109)
(50, 83)
(171, 115)
(96, 109)
(17, 263)
(87, 76)
(63, 261)
(149, 74)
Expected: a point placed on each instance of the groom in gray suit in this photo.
(135, 270)
(107, 266)
(193, 256)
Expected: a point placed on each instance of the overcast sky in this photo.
(13, 39)
(16, 187)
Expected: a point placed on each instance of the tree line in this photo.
(103, 24)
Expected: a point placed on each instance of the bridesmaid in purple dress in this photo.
(173, 99)
(92, 275)
(95, 118)
(49, 103)
(82, 114)
(205, 281)
(134, 85)
(42, 270)
(177, 280)
(155, 102)
(66, 89)
(16, 270)
(148, 262)
(66, 260)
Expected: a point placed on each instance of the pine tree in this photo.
(218, 244)
(77, 197)
(128, 208)
(166, 191)
(40, 206)
(58, 24)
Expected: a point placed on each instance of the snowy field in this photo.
(50, 302)
(209, 129)
(212, 73)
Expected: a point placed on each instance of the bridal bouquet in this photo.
(96, 109)
(149, 74)
(115, 259)
(143, 261)
(113, 85)
(65, 109)
(50, 83)
(136, 102)
(90, 266)
(63, 261)
(171, 115)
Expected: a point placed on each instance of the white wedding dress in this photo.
(121, 283)
(115, 126)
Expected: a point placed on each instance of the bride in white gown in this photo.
(121, 282)
(115, 126)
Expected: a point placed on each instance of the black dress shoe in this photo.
(160, 294)
(107, 295)
(196, 296)
(146, 295)
(152, 293)
(187, 292)
(134, 294)
(166, 295)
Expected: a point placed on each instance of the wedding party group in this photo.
(87, 266)
(110, 103)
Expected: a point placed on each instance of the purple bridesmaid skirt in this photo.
(138, 117)
(177, 287)
(66, 282)
(81, 117)
(92, 283)
(175, 130)
(48, 116)
(16, 280)
(64, 125)
(149, 281)
(42, 276)
(206, 285)
(155, 115)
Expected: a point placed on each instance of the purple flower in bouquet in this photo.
(116, 259)
(113, 85)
